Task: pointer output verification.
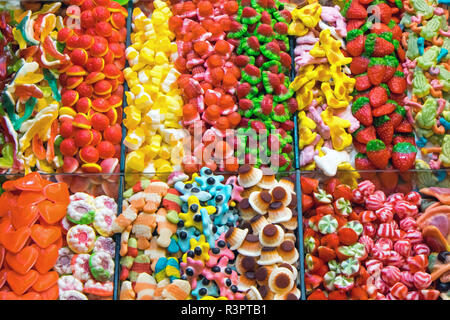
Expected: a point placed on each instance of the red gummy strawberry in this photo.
(391, 64)
(365, 1)
(385, 12)
(378, 154)
(378, 96)
(396, 30)
(266, 18)
(354, 10)
(241, 61)
(309, 185)
(243, 89)
(404, 127)
(252, 70)
(404, 137)
(359, 65)
(385, 109)
(265, 30)
(273, 47)
(365, 134)
(403, 156)
(353, 24)
(281, 28)
(362, 82)
(379, 27)
(362, 162)
(274, 81)
(247, 104)
(376, 46)
(361, 110)
(376, 70)
(355, 42)
(253, 43)
(249, 12)
(267, 104)
(285, 60)
(397, 84)
(384, 129)
(398, 115)
(360, 147)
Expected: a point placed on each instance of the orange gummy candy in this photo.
(234, 118)
(189, 112)
(215, 61)
(205, 8)
(212, 113)
(222, 47)
(226, 101)
(201, 47)
(222, 123)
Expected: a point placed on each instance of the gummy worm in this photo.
(434, 71)
(405, 36)
(407, 7)
(435, 164)
(438, 130)
(431, 150)
(415, 28)
(436, 93)
(438, 41)
(441, 107)
(444, 33)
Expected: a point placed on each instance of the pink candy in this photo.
(369, 229)
(376, 200)
(408, 224)
(422, 280)
(366, 188)
(367, 242)
(421, 248)
(373, 266)
(407, 278)
(405, 209)
(386, 230)
(391, 275)
(403, 247)
(367, 216)
(384, 214)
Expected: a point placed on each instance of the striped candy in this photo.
(399, 290)
(386, 230)
(422, 280)
(403, 247)
(408, 223)
(384, 214)
(376, 200)
(405, 209)
(391, 275)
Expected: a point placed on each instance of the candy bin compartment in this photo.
(375, 235)
(63, 105)
(56, 231)
(201, 234)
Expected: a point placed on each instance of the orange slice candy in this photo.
(21, 283)
(44, 236)
(47, 258)
(23, 261)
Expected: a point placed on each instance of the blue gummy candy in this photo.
(421, 44)
(445, 123)
(442, 54)
(421, 142)
(441, 175)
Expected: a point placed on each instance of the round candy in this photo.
(80, 267)
(103, 222)
(81, 238)
(62, 264)
(80, 212)
(106, 202)
(105, 244)
(101, 265)
(72, 295)
(82, 196)
(66, 283)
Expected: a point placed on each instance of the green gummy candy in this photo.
(432, 27)
(426, 118)
(422, 7)
(421, 87)
(429, 58)
(444, 77)
(172, 216)
(445, 154)
(413, 49)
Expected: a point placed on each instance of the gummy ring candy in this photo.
(81, 238)
(105, 244)
(82, 196)
(106, 202)
(101, 265)
(72, 295)
(62, 264)
(103, 222)
(80, 212)
(66, 283)
(80, 267)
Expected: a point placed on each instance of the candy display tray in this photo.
(114, 184)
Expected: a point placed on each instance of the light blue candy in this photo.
(442, 54)
(207, 227)
(194, 190)
(173, 246)
(421, 142)
(208, 181)
(184, 243)
(441, 175)
(445, 123)
(211, 289)
(421, 44)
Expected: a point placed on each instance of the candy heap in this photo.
(267, 258)
(147, 223)
(31, 210)
(434, 223)
(208, 81)
(265, 100)
(154, 137)
(388, 261)
(326, 122)
(385, 133)
(32, 100)
(8, 65)
(91, 114)
(427, 38)
(188, 249)
(398, 256)
(86, 264)
(333, 260)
